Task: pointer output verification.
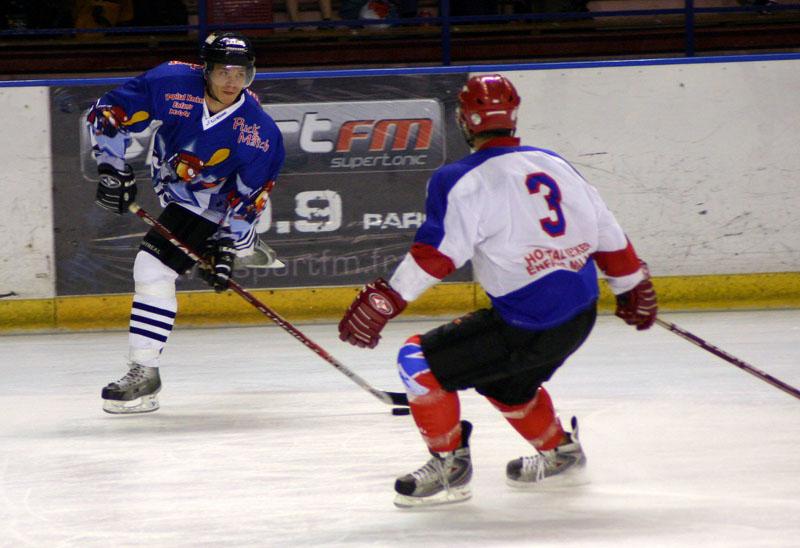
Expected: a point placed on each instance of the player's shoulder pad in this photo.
(545, 151)
(254, 113)
(175, 70)
(250, 93)
(443, 180)
(554, 157)
(253, 107)
(258, 132)
(449, 174)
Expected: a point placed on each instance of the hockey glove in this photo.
(376, 304)
(639, 306)
(220, 255)
(116, 189)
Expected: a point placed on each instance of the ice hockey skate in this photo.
(136, 392)
(557, 467)
(444, 479)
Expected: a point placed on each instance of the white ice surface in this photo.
(261, 443)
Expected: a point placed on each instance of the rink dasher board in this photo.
(207, 308)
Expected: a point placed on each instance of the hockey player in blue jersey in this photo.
(535, 231)
(216, 155)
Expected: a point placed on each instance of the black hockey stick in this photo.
(694, 339)
(389, 398)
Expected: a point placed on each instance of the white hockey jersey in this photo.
(533, 228)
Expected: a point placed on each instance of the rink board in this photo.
(205, 308)
(696, 158)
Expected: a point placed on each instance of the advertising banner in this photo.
(359, 152)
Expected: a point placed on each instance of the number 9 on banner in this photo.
(319, 211)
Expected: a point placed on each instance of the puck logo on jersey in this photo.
(381, 304)
(187, 166)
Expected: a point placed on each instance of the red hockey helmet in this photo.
(488, 103)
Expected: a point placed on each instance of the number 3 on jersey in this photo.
(535, 182)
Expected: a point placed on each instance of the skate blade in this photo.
(145, 404)
(454, 495)
(276, 263)
(571, 478)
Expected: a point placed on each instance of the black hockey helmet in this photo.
(229, 48)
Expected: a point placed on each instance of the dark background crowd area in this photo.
(41, 37)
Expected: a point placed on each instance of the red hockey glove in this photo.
(639, 306)
(376, 304)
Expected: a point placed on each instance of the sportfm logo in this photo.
(361, 136)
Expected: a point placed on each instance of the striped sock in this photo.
(151, 323)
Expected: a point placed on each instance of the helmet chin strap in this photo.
(468, 136)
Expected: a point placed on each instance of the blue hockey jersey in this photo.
(220, 166)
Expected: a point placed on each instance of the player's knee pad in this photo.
(414, 370)
(152, 278)
(436, 411)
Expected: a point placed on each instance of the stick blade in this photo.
(398, 398)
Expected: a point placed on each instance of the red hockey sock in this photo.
(437, 414)
(536, 420)
(436, 411)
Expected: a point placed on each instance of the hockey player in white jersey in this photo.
(535, 231)
(216, 155)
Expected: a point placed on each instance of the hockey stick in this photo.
(390, 398)
(694, 339)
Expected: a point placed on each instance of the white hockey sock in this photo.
(153, 310)
(150, 326)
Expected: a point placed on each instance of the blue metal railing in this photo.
(460, 69)
(445, 21)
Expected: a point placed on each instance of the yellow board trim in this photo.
(205, 308)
